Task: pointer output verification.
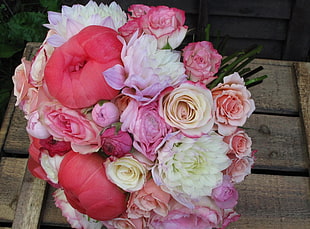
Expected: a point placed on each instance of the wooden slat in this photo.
(28, 210)
(251, 28)
(11, 177)
(280, 142)
(280, 9)
(298, 41)
(303, 81)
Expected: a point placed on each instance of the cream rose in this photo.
(126, 172)
(188, 108)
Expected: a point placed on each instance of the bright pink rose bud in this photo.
(201, 61)
(105, 114)
(88, 189)
(116, 143)
(73, 73)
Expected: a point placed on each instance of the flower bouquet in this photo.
(132, 132)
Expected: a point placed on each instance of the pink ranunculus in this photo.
(239, 143)
(115, 143)
(105, 114)
(229, 216)
(166, 24)
(151, 198)
(239, 169)
(73, 73)
(201, 61)
(201, 217)
(88, 189)
(233, 104)
(225, 195)
(21, 81)
(148, 128)
(70, 125)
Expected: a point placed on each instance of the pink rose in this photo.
(35, 128)
(148, 128)
(88, 189)
(233, 104)
(115, 143)
(124, 222)
(74, 71)
(138, 10)
(151, 198)
(70, 125)
(166, 24)
(201, 61)
(239, 168)
(105, 114)
(179, 216)
(225, 195)
(229, 216)
(128, 29)
(239, 143)
(21, 81)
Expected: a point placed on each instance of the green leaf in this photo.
(28, 26)
(51, 5)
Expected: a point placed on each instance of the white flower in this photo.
(126, 172)
(189, 168)
(74, 217)
(51, 166)
(147, 70)
(73, 19)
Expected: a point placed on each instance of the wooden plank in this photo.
(298, 40)
(280, 142)
(28, 210)
(269, 202)
(280, 9)
(303, 82)
(11, 177)
(255, 28)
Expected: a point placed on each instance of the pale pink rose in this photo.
(124, 222)
(115, 143)
(181, 217)
(239, 169)
(201, 61)
(35, 128)
(40, 60)
(239, 143)
(225, 195)
(21, 81)
(166, 24)
(151, 198)
(233, 104)
(70, 125)
(188, 108)
(105, 114)
(75, 218)
(148, 128)
(229, 216)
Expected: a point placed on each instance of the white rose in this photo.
(188, 108)
(126, 172)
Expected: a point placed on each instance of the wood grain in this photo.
(11, 177)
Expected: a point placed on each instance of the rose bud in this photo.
(105, 114)
(88, 189)
(35, 128)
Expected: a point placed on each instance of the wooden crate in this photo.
(276, 195)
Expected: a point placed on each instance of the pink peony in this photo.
(105, 114)
(151, 198)
(74, 71)
(239, 143)
(180, 217)
(239, 169)
(88, 189)
(70, 125)
(115, 143)
(233, 104)
(225, 195)
(201, 61)
(147, 127)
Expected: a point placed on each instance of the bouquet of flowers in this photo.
(132, 132)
